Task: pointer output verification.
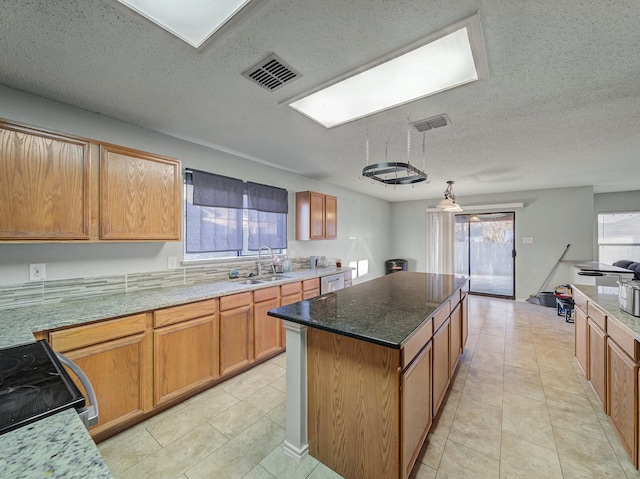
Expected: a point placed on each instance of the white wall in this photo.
(363, 221)
(554, 218)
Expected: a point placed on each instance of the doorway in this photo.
(485, 252)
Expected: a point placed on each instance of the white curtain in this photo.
(440, 236)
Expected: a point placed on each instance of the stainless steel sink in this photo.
(250, 281)
(270, 279)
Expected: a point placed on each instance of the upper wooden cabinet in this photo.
(316, 216)
(139, 195)
(61, 188)
(44, 185)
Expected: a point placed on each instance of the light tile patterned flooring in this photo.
(518, 407)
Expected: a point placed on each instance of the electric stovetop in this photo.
(33, 385)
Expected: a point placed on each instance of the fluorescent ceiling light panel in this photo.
(441, 64)
(192, 21)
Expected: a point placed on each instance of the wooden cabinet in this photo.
(63, 188)
(116, 356)
(455, 343)
(140, 195)
(310, 288)
(415, 407)
(45, 185)
(316, 216)
(236, 332)
(441, 369)
(185, 353)
(464, 304)
(597, 341)
(581, 339)
(267, 330)
(622, 397)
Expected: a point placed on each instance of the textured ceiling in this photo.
(561, 106)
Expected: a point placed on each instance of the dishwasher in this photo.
(332, 282)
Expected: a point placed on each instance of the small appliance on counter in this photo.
(34, 385)
(629, 297)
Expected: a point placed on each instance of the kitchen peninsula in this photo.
(367, 370)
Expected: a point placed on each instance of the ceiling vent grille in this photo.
(431, 123)
(271, 73)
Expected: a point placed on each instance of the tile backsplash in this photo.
(40, 292)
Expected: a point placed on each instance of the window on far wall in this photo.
(618, 236)
(226, 217)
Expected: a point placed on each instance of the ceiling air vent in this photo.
(431, 123)
(271, 73)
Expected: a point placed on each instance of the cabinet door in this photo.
(465, 320)
(581, 339)
(598, 362)
(415, 408)
(267, 330)
(317, 215)
(330, 217)
(456, 337)
(184, 358)
(117, 370)
(44, 186)
(312, 293)
(622, 397)
(139, 196)
(236, 337)
(441, 370)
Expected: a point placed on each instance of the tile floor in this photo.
(518, 407)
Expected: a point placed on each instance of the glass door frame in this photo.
(513, 253)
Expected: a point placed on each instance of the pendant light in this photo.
(449, 201)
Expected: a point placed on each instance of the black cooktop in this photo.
(33, 385)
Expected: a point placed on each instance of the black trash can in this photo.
(395, 265)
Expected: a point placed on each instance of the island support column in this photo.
(296, 443)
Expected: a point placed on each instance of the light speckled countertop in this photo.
(607, 298)
(59, 446)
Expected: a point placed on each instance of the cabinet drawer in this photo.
(265, 294)
(308, 284)
(235, 301)
(441, 315)
(598, 316)
(83, 336)
(288, 289)
(177, 314)
(624, 339)
(416, 342)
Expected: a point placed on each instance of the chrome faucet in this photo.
(258, 263)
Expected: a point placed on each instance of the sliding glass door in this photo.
(485, 251)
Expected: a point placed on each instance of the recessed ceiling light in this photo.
(192, 21)
(444, 60)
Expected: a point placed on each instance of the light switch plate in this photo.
(172, 262)
(527, 239)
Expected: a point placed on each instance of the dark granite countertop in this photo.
(384, 311)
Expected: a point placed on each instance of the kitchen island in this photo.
(367, 369)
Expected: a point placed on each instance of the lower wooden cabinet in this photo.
(598, 361)
(182, 334)
(416, 407)
(581, 339)
(622, 397)
(116, 356)
(464, 303)
(236, 332)
(267, 330)
(455, 340)
(441, 370)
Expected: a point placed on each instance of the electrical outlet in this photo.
(172, 262)
(37, 272)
